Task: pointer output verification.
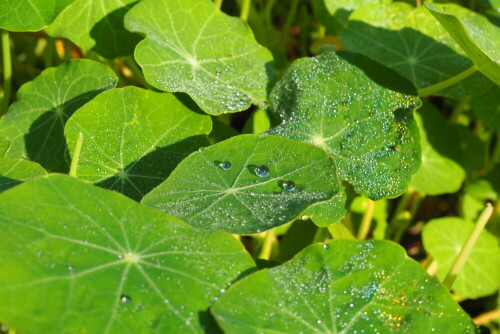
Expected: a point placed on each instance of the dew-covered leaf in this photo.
(14, 172)
(97, 25)
(412, 42)
(29, 15)
(480, 276)
(367, 129)
(329, 212)
(79, 259)
(193, 47)
(4, 146)
(439, 173)
(341, 10)
(476, 35)
(342, 287)
(35, 122)
(247, 184)
(487, 107)
(133, 138)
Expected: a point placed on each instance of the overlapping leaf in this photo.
(193, 47)
(342, 287)
(134, 138)
(480, 276)
(476, 35)
(14, 172)
(97, 25)
(367, 129)
(247, 184)
(32, 15)
(35, 122)
(412, 42)
(341, 10)
(79, 259)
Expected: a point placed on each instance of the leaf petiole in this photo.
(218, 3)
(364, 228)
(448, 82)
(7, 71)
(76, 155)
(245, 10)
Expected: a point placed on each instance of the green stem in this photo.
(218, 3)
(407, 222)
(467, 247)
(136, 70)
(289, 20)
(340, 231)
(366, 222)
(48, 53)
(76, 155)
(245, 9)
(403, 202)
(7, 71)
(268, 12)
(447, 83)
(267, 245)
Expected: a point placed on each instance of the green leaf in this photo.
(341, 10)
(443, 239)
(4, 146)
(439, 173)
(332, 211)
(478, 37)
(97, 25)
(29, 15)
(35, 122)
(342, 287)
(14, 172)
(487, 107)
(79, 259)
(257, 123)
(411, 41)
(134, 138)
(205, 53)
(368, 130)
(220, 187)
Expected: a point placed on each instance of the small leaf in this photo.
(102, 29)
(341, 10)
(240, 185)
(32, 15)
(477, 36)
(443, 239)
(79, 259)
(35, 122)
(342, 287)
(367, 129)
(332, 211)
(205, 53)
(14, 172)
(134, 138)
(411, 41)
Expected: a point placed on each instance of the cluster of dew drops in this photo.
(261, 171)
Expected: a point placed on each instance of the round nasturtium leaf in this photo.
(97, 25)
(78, 259)
(193, 47)
(412, 42)
(133, 138)
(14, 172)
(344, 286)
(367, 129)
(475, 34)
(444, 237)
(35, 122)
(29, 15)
(247, 184)
(329, 212)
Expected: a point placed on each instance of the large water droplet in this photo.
(125, 299)
(289, 185)
(262, 171)
(225, 165)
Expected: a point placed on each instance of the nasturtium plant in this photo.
(249, 166)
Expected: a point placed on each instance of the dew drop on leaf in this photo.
(262, 171)
(125, 299)
(289, 185)
(225, 165)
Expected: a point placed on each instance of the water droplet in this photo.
(125, 299)
(262, 171)
(225, 165)
(289, 185)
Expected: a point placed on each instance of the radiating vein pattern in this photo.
(151, 268)
(238, 199)
(193, 47)
(342, 287)
(367, 129)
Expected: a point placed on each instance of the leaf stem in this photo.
(245, 10)
(366, 221)
(407, 221)
(467, 247)
(447, 83)
(340, 231)
(7, 71)
(218, 3)
(267, 245)
(76, 155)
(403, 202)
(484, 318)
